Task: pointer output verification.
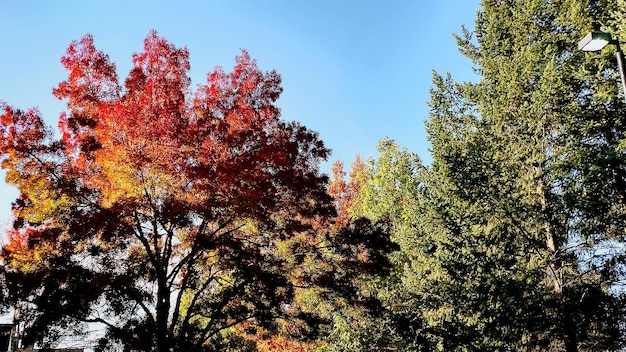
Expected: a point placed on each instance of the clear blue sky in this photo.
(355, 71)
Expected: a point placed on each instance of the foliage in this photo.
(171, 217)
(504, 237)
(369, 325)
(199, 220)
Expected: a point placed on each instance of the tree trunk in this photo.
(162, 315)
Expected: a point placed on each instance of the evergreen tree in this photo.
(505, 239)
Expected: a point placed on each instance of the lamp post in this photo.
(595, 41)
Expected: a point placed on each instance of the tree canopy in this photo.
(167, 215)
(199, 220)
(510, 239)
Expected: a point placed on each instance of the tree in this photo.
(159, 213)
(518, 159)
(392, 188)
(503, 237)
(363, 319)
(343, 191)
(337, 271)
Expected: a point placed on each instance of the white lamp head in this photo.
(594, 41)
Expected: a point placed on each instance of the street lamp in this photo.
(595, 41)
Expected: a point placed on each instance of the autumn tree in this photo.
(357, 257)
(161, 213)
(336, 271)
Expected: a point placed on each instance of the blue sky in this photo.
(353, 70)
